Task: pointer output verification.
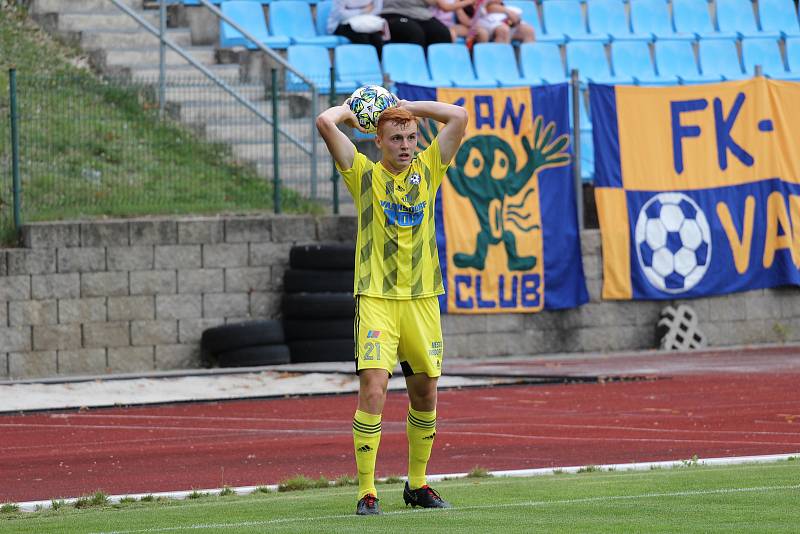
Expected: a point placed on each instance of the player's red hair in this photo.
(395, 116)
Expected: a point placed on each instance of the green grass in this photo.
(742, 498)
(90, 148)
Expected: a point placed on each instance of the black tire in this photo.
(301, 330)
(331, 256)
(228, 337)
(302, 280)
(322, 350)
(318, 306)
(255, 356)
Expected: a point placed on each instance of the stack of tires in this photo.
(249, 344)
(318, 306)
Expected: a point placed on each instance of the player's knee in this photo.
(372, 395)
(423, 400)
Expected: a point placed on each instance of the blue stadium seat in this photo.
(608, 17)
(356, 63)
(736, 16)
(541, 63)
(530, 14)
(587, 157)
(315, 63)
(721, 58)
(652, 17)
(565, 17)
(292, 19)
(792, 61)
(632, 58)
(405, 62)
(764, 52)
(590, 60)
(250, 16)
(321, 20)
(779, 16)
(675, 60)
(497, 61)
(693, 16)
(197, 3)
(450, 61)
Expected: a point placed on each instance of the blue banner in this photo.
(506, 216)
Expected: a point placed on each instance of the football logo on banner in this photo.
(673, 242)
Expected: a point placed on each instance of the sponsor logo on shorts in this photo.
(373, 334)
(436, 349)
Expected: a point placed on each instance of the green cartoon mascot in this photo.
(485, 172)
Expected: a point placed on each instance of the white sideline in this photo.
(32, 506)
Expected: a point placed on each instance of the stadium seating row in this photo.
(495, 64)
(292, 22)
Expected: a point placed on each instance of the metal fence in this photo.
(88, 147)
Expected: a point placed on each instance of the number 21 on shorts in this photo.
(372, 350)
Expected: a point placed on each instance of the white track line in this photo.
(32, 506)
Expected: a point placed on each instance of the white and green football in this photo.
(367, 102)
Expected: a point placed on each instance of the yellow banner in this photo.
(493, 216)
(726, 136)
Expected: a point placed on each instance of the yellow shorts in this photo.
(408, 331)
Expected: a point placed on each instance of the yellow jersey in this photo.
(396, 253)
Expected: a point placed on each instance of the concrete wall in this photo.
(135, 295)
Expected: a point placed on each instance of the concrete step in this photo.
(93, 39)
(123, 57)
(103, 20)
(199, 111)
(241, 131)
(289, 153)
(58, 6)
(258, 135)
(212, 94)
(185, 73)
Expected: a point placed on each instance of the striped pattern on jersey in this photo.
(396, 252)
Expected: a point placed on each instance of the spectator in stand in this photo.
(445, 11)
(502, 23)
(412, 21)
(358, 20)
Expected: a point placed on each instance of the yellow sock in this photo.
(366, 438)
(420, 429)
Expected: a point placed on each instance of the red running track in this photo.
(242, 443)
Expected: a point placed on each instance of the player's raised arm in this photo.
(453, 117)
(339, 145)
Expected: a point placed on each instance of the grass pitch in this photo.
(740, 498)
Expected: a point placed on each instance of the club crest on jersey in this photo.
(414, 179)
(373, 334)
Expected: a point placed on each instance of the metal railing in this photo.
(74, 146)
(160, 32)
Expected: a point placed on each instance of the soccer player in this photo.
(397, 280)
